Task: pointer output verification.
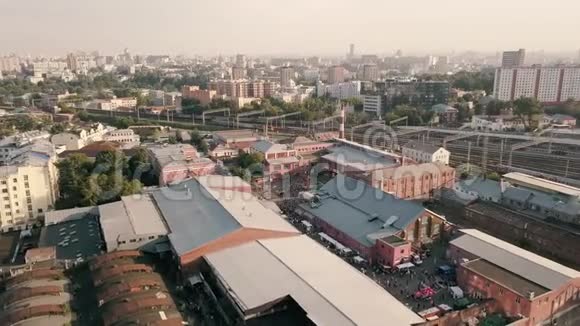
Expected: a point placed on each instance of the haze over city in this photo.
(289, 163)
(265, 27)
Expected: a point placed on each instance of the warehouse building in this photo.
(523, 283)
(297, 277)
(371, 221)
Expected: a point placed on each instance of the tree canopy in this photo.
(86, 183)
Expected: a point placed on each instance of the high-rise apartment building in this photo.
(546, 84)
(286, 75)
(370, 72)
(351, 51)
(242, 88)
(335, 74)
(10, 63)
(512, 59)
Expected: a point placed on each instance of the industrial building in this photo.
(211, 213)
(542, 198)
(36, 296)
(296, 279)
(177, 162)
(523, 284)
(351, 158)
(371, 221)
(129, 291)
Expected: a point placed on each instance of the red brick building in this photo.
(524, 284)
(415, 181)
(381, 227)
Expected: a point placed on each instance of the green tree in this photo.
(246, 160)
(528, 109)
(190, 105)
(131, 187)
(139, 164)
(57, 128)
(73, 172)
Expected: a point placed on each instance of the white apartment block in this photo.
(123, 136)
(340, 90)
(28, 187)
(546, 84)
(372, 104)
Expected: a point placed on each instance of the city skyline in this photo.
(301, 29)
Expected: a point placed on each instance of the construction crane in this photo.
(247, 114)
(214, 111)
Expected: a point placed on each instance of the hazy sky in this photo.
(52, 27)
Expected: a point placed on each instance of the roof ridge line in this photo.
(303, 280)
(525, 258)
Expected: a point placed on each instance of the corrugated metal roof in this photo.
(515, 193)
(542, 183)
(423, 147)
(358, 158)
(198, 212)
(535, 268)
(359, 210)
(266, 146)
(328, 289)
(130, 216)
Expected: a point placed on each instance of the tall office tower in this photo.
(286, 75)
(238, 72)
(511, 59)
(241, 60)
(370, 73)
(335, 74)
(351, 51)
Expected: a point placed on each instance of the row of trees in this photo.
(83, 182)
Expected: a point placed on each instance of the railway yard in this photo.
(553, 156)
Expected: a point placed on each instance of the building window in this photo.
(4, 190)
(14, 188)
(3, 182)
(40, 210)
(518, 299)
(15, 180)
(25, 178)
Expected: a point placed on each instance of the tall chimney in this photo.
(342, 122)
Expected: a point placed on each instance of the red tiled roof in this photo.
(98, 261)
(34, 274)
(102, 275)
(132, 283)
(14, 317)
(24, 293)
(128, 308)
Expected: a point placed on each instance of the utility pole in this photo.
(468, 156)
(501, 151)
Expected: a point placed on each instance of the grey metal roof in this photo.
(266, 146)
(193, 216)
(359, 158)
(207, 208)
(518, 194)
(423, 147)
(263, 271)
(530, 266)
(79, 238)
(361, 211)
(485, 188)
